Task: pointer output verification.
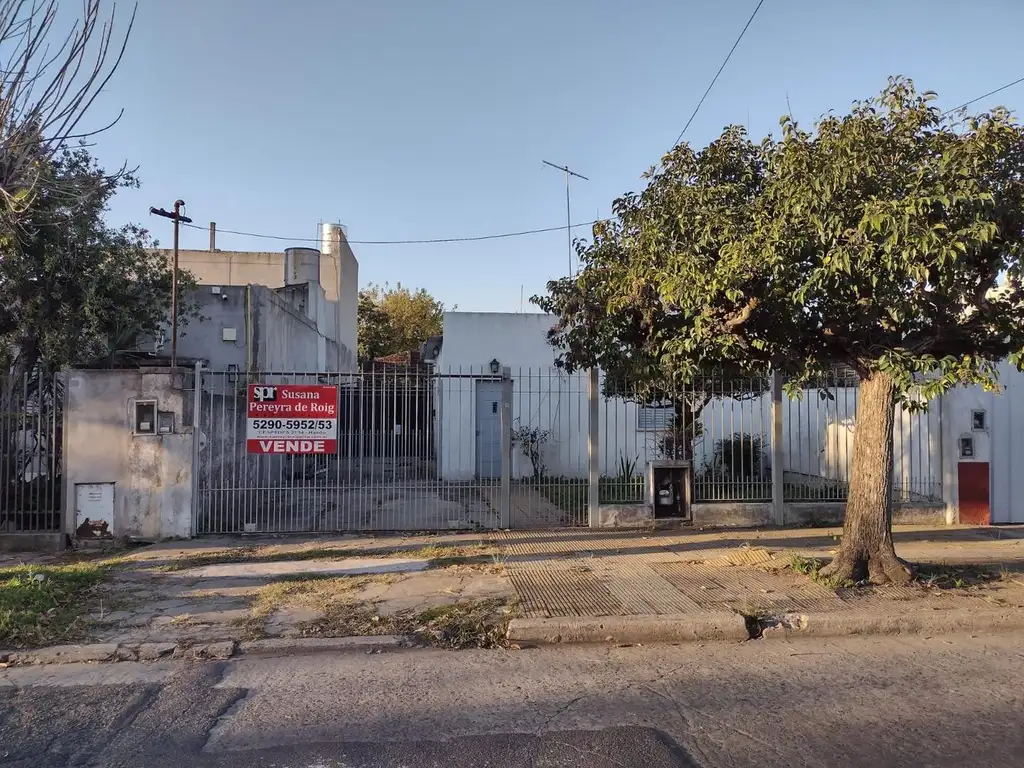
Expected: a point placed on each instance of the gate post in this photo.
(505, 512)
(593, 451)
(197, 414)
(778, 467)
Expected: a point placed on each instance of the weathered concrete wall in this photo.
(203, 338)
(625, 516)
(238, 268)
(331, 305)
(284, 339)
(152, 474)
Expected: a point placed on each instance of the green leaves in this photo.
(885, 239)
(396, 320)
(73, 290)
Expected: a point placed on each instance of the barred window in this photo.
(654, 418)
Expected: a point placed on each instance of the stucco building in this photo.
(294, 310)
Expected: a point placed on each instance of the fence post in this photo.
(778, 466)
(593, 451)
(197, 404)
(505, 513)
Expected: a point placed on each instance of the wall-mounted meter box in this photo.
(145, 417)
(668, 488)
(165, 422)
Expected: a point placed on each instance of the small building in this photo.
(294, 310)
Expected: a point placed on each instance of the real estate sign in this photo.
(292, 418)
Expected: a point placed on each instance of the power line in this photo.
(521, 233)
(426, 241)
(719, 72)
(985, 95)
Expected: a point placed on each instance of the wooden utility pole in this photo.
(178, 220)
(568, 210)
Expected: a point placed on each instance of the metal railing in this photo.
(395, 468)
(31, 448)
(471, 447)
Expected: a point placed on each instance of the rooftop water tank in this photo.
(301, 265)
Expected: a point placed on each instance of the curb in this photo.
(669, 628)
(104, 653)
(850, 623)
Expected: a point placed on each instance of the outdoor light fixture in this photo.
(495, 366)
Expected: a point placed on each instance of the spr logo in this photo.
(264, 394)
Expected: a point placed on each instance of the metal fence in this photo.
(723, 426)
(31, 442)
(549, 441)
(818, 433)
(465, 448)
(384, 476)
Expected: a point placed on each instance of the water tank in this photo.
(330, 238)
(301, 265)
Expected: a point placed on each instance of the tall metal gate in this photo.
(385, 474)
(31, 443)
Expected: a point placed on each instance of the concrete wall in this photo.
(151, 474)
(339, 275)
(203, 338)
(332, 305)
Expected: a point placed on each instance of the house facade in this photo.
(961, 454)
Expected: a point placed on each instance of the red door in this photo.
(974, 498)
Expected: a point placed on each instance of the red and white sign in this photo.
(292, 418)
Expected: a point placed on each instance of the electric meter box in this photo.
(668, 488)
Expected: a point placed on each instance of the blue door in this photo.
(488, 429)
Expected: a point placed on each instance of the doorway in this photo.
(488, 429)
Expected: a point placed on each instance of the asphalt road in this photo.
(949, 701)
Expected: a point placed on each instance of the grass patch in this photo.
(45, 604)
(811, 567)
(440, 555)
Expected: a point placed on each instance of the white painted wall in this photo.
(817, 433)
(1001, 443)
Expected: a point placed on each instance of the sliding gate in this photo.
(384, 475)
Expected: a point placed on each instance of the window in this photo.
(978, 421)
(966, 447)
(654, 418)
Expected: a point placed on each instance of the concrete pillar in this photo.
(778, 460)
(593, 451)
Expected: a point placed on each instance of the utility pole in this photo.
(178, 220)
(568, 209)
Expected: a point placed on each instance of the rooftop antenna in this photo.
(568, 209)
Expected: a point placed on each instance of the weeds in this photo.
(45, 604)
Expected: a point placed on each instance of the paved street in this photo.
(943, 701)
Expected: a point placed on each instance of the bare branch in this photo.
(44, 95)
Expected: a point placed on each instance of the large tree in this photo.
(888, 239)
(396, 320)
(74, 290)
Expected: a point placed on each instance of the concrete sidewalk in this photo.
(557, 585)
(584, 586)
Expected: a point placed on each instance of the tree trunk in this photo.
(867, 550)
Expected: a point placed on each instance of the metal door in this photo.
(488, 429)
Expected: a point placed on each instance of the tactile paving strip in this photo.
(741, 589)
(570, 592)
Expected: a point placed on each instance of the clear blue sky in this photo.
(407, 119)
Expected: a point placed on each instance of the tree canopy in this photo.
(888, 239)
(396, 320)
(73, 290)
